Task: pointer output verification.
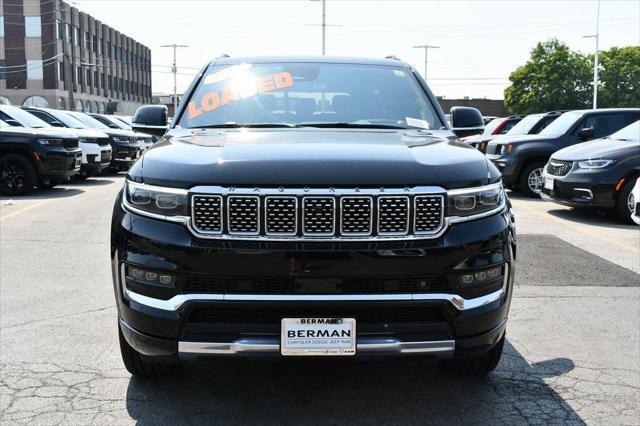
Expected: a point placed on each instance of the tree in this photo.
(619, 77)
(554, 78)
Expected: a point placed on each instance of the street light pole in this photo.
(174, 70)
(426, 48)
(595, 58)
(324, 25)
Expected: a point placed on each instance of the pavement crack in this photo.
(90, 311)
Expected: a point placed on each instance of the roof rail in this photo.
(224, 55)
(393, 57)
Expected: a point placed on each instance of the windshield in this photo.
(525, 125)
(492, 125)
(307, 93)
(561, 124)
(125, 120)
(629, 133)
(24, 118)
(67, 119)
(88, 121)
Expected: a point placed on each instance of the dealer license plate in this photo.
(548, 182)
(78, 163)
(318, 336)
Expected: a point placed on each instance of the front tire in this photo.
(625, 202)
(136, 364)
(477, 365)
(17, 175)
(531, 180)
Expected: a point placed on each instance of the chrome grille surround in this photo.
(211, 220)
(243, 215)
(318, 216)
(284, 209)
(427, 210)
(393, 215)
(358, 222)
(559, 167)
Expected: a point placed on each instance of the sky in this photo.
(480, 42)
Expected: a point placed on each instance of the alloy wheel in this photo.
(535, 180)
(631, 202)
(13, 176)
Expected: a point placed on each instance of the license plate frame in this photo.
(549, 182)
(318, 337)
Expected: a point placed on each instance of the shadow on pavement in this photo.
(334, 391)
(43, 194)
(89, 182)
(591, 217)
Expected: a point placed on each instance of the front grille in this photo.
(70, 144)
(319, 215)
(559, 168)
(103, 141)
(343, 214)
(268, 315)
(394, 215)
(289, 285)
(105, 156)
(207, 213)
(243, 214)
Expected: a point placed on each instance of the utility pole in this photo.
(324, 24)
(595, 58)
(174, 70)
(426, 48)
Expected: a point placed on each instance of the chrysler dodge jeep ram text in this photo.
(311, 206)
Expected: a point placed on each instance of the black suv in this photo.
(521, 159)
(311, 207)
(35, 157)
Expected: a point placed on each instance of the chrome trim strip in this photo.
(588, 191)
(356, 197)
(266, 218)
(457, 301)
(474, 189)
(166, 189)
(235, 233)
(178, 219)
(368, 345)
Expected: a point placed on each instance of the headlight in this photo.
(473, 201)
(504, 149)
(120, 140)
(595, 164)
(50, 142)
(166, 202)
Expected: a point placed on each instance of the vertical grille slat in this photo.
(356, 215)
(207, 213)
(319, 216)
(281, 216)
(427, 213)
(243, 215)
(393, 215)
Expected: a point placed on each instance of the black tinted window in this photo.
(606, 124)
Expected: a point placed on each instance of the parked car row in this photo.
(584, 158)
(36, 145)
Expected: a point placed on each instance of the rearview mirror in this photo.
(586, 133)
(466, 121)
(151, 119)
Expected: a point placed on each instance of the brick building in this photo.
(51, 54)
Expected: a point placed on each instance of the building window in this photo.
(67, 32)
(62, 104)
(61, 71)
(102, 107)
(32, 26)
(87, 41)
(87, 107)
(34, 69)
(95, 79)
(79, 75)
(94, 44)
(2, 62)
(88, 80)
(99, 46)
(79, 105)
(76, 36)
(1, 26)
(36, 101)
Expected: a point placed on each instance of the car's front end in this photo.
(96, 151)
(361, 237)
(125, 150)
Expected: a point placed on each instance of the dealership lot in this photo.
(571, 354)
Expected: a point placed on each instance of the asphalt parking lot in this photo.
(572, 356)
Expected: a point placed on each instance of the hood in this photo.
(597, 148)
(120, 132)
(82, 133)
(516, 139)
(49, 132)
(311, 157)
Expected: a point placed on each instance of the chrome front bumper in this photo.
(381, 346)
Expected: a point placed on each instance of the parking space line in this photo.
(579, 228)
(25, 209)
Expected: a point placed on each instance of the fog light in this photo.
(150, 276)
(166, 279)
(466, 279)
(480, 276)
(136, 273)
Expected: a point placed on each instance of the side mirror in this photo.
(586, 133)
(466, 121)
(151, 119)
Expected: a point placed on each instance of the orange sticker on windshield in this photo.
(242, 87)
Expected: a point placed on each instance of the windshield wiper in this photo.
(233, 125)
(344, 125)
